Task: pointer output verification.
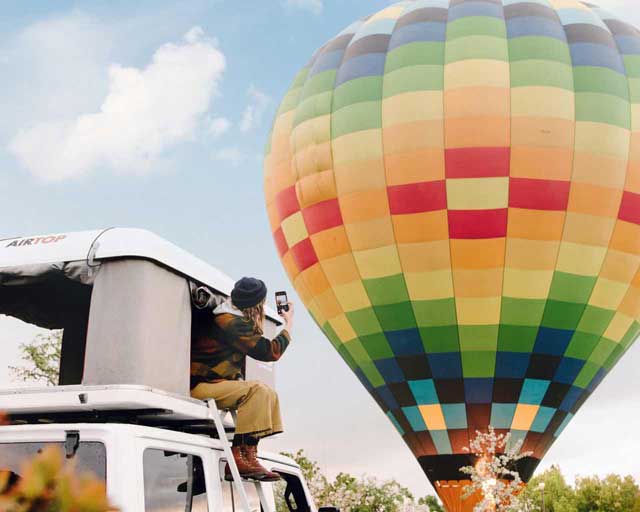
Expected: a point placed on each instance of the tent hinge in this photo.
(91, 258)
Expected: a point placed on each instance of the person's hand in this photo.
(288, 316)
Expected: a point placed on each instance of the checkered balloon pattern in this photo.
(453, 188)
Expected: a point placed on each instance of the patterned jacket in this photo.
(218, 351)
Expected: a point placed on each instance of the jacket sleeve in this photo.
(241, 335)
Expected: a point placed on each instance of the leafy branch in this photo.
(42, 358)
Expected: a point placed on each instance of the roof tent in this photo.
(124, 300)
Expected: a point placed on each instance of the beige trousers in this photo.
(257, 404)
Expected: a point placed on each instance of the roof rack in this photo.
(140, 405)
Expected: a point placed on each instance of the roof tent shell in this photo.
(88, 248)
(123, 298)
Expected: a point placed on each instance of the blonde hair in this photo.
(257, 315)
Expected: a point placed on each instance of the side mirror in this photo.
(328, 509)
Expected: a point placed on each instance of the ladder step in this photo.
(238, 482)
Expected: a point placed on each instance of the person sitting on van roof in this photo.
(217, 372)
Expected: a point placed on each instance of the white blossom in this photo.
(494, 476)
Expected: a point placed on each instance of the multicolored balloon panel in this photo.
(454, 190)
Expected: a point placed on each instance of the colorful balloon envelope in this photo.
(454, 190)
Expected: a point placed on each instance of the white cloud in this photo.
(194, 35)
(314, 6)
(235, 156)
(218, 126)
(58, 68)
(145, 112)
(253, 114)
(231, 155)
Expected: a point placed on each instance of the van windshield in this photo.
(91, 457)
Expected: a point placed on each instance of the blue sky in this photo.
(86, 81)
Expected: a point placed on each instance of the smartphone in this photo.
(282, 302)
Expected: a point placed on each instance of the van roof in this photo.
(101, 404)
(104, 244)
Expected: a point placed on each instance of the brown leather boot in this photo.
(246, 469)
(251, 456)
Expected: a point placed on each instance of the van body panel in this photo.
(125, 446)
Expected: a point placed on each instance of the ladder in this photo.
(217, 416)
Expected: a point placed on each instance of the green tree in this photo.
(611, 494)
(591, 494)
(558, 495)
(42, 358)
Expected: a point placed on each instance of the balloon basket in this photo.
(451, 493)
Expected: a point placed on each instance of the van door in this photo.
(174, 482)
(231, 502)
(178, 478)
(260, 495)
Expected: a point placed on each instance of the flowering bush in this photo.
(48, 484)
(366, 495)
(493, 475)
(351, 494)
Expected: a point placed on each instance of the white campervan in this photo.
(124, 299)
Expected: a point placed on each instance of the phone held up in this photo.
(282, 302)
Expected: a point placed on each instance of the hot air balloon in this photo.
(454, 191)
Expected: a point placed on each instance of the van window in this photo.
(290, 495)
(232, 502)
(90, 458)
(167, 476)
